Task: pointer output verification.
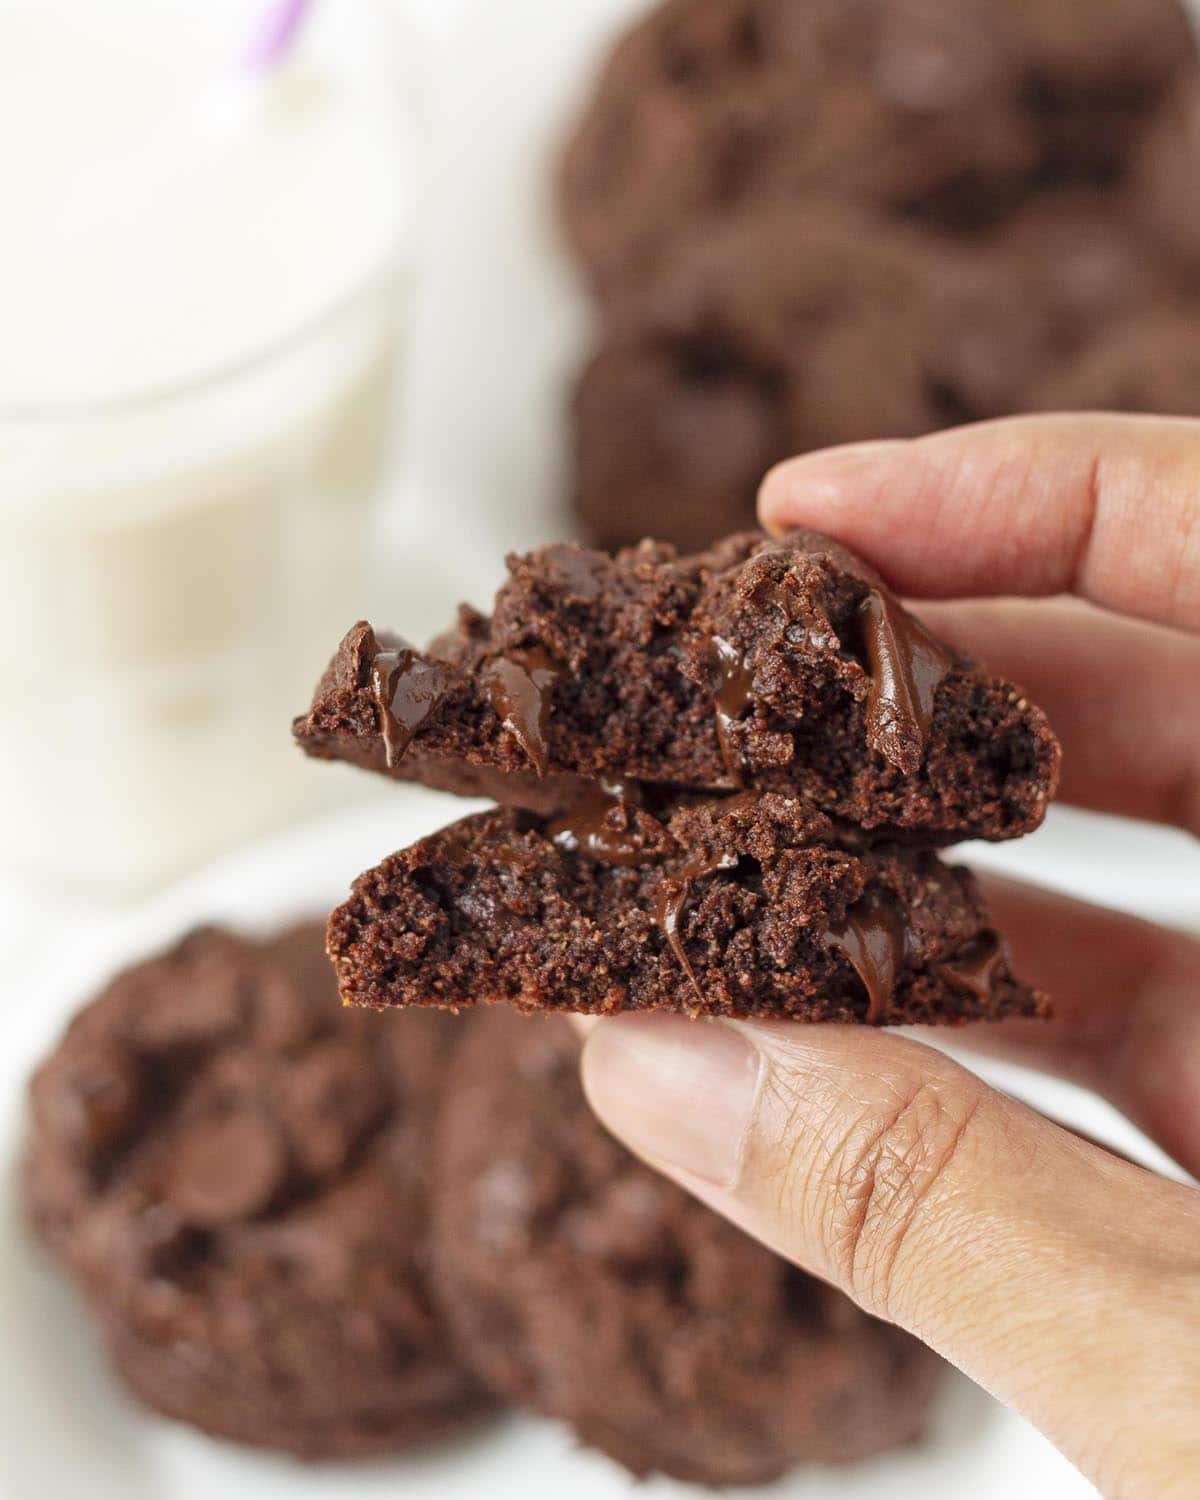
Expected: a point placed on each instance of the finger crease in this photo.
(1094, 493)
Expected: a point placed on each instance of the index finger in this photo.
(1107, 507)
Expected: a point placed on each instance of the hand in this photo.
(1062, 1278)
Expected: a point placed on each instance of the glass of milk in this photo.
(202, 281)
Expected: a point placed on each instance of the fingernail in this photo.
(680, 1092)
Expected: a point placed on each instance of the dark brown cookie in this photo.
(235, 1171)
(1082, 261)
(710, 107)
(1168, 168)
(782, 665)
(947, 112)
(745, 906)
(585, 1286)
(774, 335)
(795, 331)
(815, 223)
(1093, 76)
(1149, 365)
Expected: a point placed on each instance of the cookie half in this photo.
(746, 906)
(781, 665)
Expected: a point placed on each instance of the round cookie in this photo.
(1067, 265)
(950, 112)
(585, 1286)
(1151, 365)
(707, 107)
(1085, 261)
(235, 1171)
(777, 335)
(1094, 76)
(788, 332)
(1168, 169)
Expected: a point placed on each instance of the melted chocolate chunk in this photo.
(520, 687)
(733, 696)
(874, 937)
(907, 664)
(408, 690)
(672, 897)
(975, 967)
(607, 823)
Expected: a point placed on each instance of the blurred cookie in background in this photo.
(1092, 77)
(950, 113)
(1167, 171)
(1151, 366)
(777, 334)
(585, 1286)
(754, 343)
(788, 332)
(235, 1171)
(1085, 260)
(814, 223)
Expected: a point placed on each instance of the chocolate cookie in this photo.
(773, 336)
(1093, 76)
(951, 113)
(744, 906)
(1150, 365)
(235, 1171)
(1167, 169)
(585, 1286)
(708, 108)
(1081, 262)
(798, 331)
(780, 665)
(815, 223)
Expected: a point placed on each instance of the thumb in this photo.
(1061, 1278)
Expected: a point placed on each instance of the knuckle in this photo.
(883, 1180)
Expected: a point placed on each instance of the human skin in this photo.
(1062, 1278)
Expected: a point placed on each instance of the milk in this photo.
(201, 275)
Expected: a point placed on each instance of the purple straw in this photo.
(279, 29)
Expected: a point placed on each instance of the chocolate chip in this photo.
(907, 664)
(409, 689)
(198, 1010)
(330, 1099)
(226, 1169)
(520, 687)
(875, 937)
(93, 1101)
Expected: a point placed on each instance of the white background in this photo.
(498, 326)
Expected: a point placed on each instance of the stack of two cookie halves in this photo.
(722, 780)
